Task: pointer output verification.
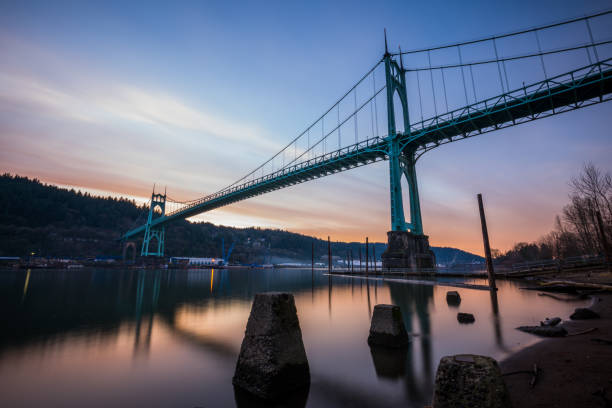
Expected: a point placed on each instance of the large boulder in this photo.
(387, 327)
(584, 313)
(551, 322)
(465, 318)
(544, 331)
(272, 361)
(453, 298)
(468, 380)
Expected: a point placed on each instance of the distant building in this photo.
(107, 258)
(197, 261)
(9, 260)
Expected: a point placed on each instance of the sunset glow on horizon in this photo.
(191, 98)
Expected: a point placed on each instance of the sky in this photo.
(115, 97)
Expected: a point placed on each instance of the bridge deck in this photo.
(569, 91)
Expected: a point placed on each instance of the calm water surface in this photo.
(102, 338)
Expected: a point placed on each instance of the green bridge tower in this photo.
(153, 234)
(407, 247)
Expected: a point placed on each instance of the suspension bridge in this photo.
(456, 91)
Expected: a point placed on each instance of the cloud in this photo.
(59, 117)
(42, 97)
(156, 108)
(104, 103)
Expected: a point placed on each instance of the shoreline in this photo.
(575, 371)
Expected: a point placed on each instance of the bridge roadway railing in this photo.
(572, 90)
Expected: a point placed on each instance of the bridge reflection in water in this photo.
(171, 338)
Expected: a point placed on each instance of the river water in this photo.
(112, 338)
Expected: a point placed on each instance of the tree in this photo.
(591, 195)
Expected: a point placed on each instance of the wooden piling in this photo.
(352, 261)
(487, 248)
(374, 257)
(346, 261)
(367, 255)
(312, 267)
(329, 255)
(359, 257)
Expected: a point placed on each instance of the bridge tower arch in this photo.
(153, 234)
(129, 248)
(407, 246)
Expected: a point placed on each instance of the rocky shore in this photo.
(573, 371)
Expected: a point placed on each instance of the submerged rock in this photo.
(545, 331)
(272, 361)
(296, 399)
(583, 314)
(387, 327)
(551, 322)
(453, 298)
(389, 362)
(465, 318)
(468, 380)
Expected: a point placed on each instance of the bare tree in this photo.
(591, 195)
(578, 230)
(596, 186)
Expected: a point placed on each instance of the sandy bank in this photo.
(575, 370)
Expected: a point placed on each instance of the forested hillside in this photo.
(51, 221)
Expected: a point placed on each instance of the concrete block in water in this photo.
(468, 380)
(272, 361)
(387, 327)
(465, 318)
(453, 298)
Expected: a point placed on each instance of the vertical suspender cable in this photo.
(433, 90)
(462, 74)
(444, 86)
(355, 116)
(501, 82)
(592, 42)
(339, 137)
(307, 156)
(372, 116)
(473, 84)
(375, 106)
(506, 75)
(586, 49)
(540, 51)
(323, 133)
(420, 101)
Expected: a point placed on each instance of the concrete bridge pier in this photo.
(407, 250)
